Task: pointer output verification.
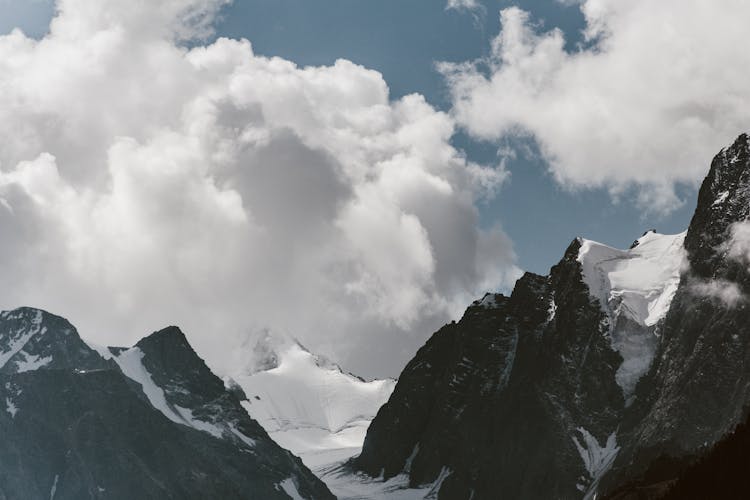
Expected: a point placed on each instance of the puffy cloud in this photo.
(655, 89)
(143, 183)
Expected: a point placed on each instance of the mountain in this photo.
(308, 404)
(580, 379)
(719, 471)
(151, 421)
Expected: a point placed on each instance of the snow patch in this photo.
(721, 198)
(435, 489)
(10, 407)
(103, 351)
(290, 488)
(489, 301)
(635, 288)
(249, 442)
(407, 464)
(188, 419)
(597, 459)
(552, 311)
(356, 486)
(53, 490)
(31, 362)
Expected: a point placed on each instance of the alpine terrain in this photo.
(151, 421)
(579, 380)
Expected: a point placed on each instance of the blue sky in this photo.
(403, 41)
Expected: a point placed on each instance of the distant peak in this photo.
(263, 348)
(36, 317)
(31, 338)
(25, 312)
(170, 334)
(742, 143)
(167, 343)
(723, 200)
(733, 159)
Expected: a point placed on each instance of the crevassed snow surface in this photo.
(318, 412)
(131, 365)
(635, 288)
(321, 414)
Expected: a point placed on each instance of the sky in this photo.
(348, 172)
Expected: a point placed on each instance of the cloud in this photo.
(736, 250)
(737, 246)
(726, 291)
(473, 7)
(143, 183)
(470, 5)
(645, 102)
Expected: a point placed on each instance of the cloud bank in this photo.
(655, 90)
(144, 184)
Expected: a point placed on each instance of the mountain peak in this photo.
(168, 355)
(169, 337)
(723, 200)
(32, 339)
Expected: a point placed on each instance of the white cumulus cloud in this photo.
(143, 183)
(653, 93)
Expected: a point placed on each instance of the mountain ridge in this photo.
(520, 379)
(87, 428)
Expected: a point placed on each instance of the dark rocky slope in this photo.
(75, 427)
(521, 398)
(497, 398)
(699, 385)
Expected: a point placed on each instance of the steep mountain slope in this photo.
(489, 398)
(701, 371)
(147, 422)
(579, 379)
(722, 472)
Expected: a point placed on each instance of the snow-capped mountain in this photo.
(151, 421)
(581, 378)
(308, 404)
(320, 413)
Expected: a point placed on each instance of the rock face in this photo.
(579, 379)
(698, 388)
(501, 401)
(147, 422)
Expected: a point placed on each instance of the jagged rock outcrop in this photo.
(147, 422)
(503, 401)
(580, 379)
(698, 389)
